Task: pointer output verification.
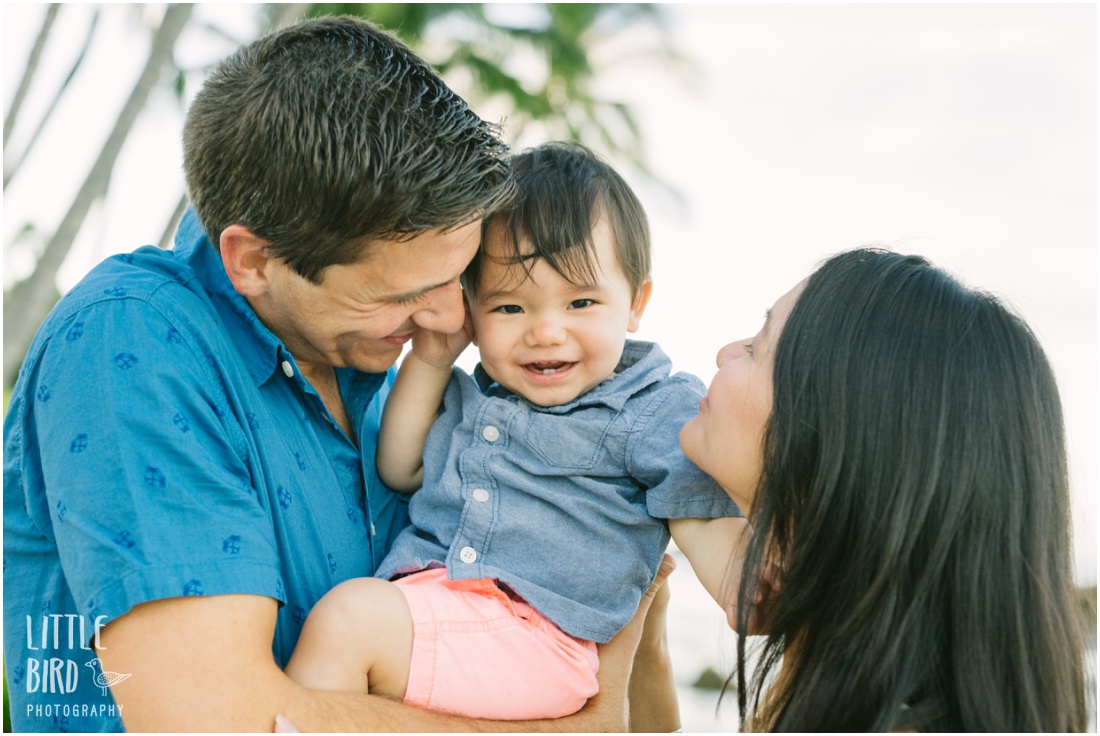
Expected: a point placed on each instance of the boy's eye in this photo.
(509, 309)
(581, 303)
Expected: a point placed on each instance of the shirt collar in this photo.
(261, 351)
(642, 364)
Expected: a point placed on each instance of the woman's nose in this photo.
(729, 352)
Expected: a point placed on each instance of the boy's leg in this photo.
(357, 638)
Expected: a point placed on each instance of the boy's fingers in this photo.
(283, 725)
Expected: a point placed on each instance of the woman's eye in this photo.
(581, 303)
(509, 309)
(748, 348)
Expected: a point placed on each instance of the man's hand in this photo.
(607, 711)
(762, 601)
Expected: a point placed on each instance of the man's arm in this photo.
(205, 664)
(412, 406)
(653, 705)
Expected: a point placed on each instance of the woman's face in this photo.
(726, 438)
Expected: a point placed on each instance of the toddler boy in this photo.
(546, 477)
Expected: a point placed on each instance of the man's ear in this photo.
(245, 259)
(637, 307)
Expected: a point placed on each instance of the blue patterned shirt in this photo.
(162, 442)
(564, 504)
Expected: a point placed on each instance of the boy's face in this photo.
(544, 338)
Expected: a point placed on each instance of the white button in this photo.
(288, 369)
(480, 494)
(467, 555)
(491, 433)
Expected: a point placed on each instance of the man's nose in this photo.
(444, 310)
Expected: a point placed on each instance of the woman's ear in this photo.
(245, 259)
(637, 307)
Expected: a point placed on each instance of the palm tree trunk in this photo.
(29, 300)
(284, 14)
(10, 169)
(28, 72)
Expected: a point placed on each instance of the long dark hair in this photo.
(915, 494)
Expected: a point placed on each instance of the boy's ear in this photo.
(637, 307)
(469, 323)
(245, 259)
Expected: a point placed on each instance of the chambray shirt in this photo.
(162, 442)
(563, 504)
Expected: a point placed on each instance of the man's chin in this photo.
(377, 360)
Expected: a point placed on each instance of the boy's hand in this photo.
(440, 349)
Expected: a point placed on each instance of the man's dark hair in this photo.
(331, 131)
(562, 190)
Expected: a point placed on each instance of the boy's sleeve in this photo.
(147, 491)
(677, 488)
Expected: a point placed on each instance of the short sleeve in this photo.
(148, 491)
(677, 488)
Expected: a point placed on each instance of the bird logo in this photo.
(106, 679)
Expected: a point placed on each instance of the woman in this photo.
(897, 441)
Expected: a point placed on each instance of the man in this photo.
(189, 450)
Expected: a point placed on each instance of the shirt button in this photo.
(288, 369)
(467, 555)
(481, 495)
(491, 433)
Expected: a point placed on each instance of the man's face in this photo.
(361, 314)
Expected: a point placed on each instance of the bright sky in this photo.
(966, 133)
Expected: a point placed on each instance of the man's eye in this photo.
(409, 301)
(509, 309)
(581, 303)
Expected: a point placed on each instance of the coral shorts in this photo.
(479, 651)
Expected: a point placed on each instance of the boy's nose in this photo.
(546, 331)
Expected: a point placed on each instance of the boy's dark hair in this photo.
(562, 189)
(915, 495)
(331, 131)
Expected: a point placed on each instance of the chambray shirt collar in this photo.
(640, 366)
(261, 351)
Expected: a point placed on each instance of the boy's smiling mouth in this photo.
(547, 367)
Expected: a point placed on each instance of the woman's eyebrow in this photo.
(767, 321)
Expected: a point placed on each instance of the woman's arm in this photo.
(713, 547)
